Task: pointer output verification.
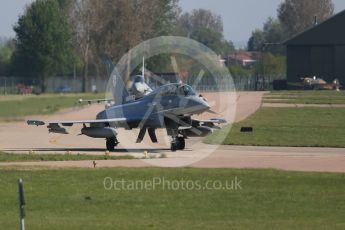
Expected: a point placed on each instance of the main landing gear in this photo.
(111, 143)
(178, 143)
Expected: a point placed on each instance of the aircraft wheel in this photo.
(173, 146)
(111, 143)
(181, 143)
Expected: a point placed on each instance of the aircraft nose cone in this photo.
(207, 106)
(200, 105)
(204, 105)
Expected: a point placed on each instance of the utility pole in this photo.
(21, 204)
(5, 86)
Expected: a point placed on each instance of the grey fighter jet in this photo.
(170, 106)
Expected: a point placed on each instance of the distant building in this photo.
(243, 58)
(318, 51)
(221, 61)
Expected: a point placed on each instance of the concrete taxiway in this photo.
(17, 137)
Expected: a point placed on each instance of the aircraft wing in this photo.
(95, 101)
(70, 123)
(54, 126)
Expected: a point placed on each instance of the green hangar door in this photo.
(318, 51)
(322, 62)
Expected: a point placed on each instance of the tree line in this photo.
(61, 37)
(58, 37)
(293, 17)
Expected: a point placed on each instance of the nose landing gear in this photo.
(178, 143)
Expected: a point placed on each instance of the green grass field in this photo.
(11, 157)
(306, 97)
(15, 107)
(317, 127)
(268, 199)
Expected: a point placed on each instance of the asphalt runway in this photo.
(17, 137)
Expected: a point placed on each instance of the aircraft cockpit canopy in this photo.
(176, 90)
(186, 90)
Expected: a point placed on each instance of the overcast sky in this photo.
(240, 17)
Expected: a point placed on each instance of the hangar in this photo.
(318, 51)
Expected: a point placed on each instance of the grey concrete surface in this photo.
(17, 137)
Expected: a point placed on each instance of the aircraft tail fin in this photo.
(117, 86)
(108, 63)
(143, 69)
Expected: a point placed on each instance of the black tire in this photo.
(110, 144)
(173, 146)
(181, 143)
